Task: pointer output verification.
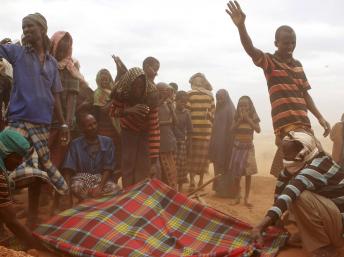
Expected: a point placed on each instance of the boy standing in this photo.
(287, 83)
(183, 130)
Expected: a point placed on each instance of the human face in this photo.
(220, 98)
(151, 70)
(32, 31)
(12, 161)
(286, 43)
(181, 103)
(138, 88)
(90, 126)
(290, 150)
(244, 106)
(105, 80)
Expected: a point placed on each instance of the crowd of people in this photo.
(58, 132)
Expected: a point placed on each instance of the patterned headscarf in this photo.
(102, 95)
(199, 81)
(12, 142)
(39, 19)
(123, 87)
(307, 153)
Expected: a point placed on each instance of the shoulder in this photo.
(77, 141)
(52, 60)
(105, 139)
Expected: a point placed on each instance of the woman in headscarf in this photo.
(243, 160)
(221, 142)
(107, 125)
(202, 107)
(61, 48)
(140, 134)
(13, 148)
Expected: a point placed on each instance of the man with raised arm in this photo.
(287, 83)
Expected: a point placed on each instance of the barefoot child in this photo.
(243, 161)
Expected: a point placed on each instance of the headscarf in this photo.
(221, 136)
(12, 142)
(199, 82)
(102, 95)
(123, 87)
(252, 112)
(39, 19)
(307, 153)
(68, 62)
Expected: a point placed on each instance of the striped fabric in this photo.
(5, 193)
(201, 106)
(38, 135)
(151, 220)
(322, 176)
(181, 162)
(244, 132)
(287, 84)
(198, 163)
(139, 124)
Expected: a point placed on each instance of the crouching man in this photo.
(89, 164)
(311, 188)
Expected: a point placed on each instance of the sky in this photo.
(190, 36)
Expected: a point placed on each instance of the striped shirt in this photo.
(201, 106)
(137, 123)
(244, 132)
(322, 176)
(287, 84)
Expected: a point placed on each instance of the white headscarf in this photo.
(307, 153)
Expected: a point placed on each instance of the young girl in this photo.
(243, 161)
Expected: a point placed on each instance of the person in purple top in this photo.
(35, 93)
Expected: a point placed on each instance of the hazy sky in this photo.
(190, 36)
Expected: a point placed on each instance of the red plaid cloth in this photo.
(150, 219)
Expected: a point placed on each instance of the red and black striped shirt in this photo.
(150, 123)
(287, 84)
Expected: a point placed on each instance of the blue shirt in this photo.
(79, 158)
(32, 96)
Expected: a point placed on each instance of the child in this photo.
(183, 130)
(243, 161)
(287, 83)
(168, 144)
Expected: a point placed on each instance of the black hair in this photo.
(80, 118)
(150, 61)
(283, 28)
(181, 94)
(174, 86)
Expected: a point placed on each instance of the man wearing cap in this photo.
(35, 94)
(311, 188)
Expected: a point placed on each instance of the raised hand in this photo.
(237, 15)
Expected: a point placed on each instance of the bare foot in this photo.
(247, 204)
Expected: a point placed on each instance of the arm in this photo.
(71, 103)
(65, 136)
(253, 124)
(120, 66)
(314, 110)
(238, 18)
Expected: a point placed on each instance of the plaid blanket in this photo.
(150, 219)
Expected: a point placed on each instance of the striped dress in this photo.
(202, 107)
(287, 84)
(322, 176)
